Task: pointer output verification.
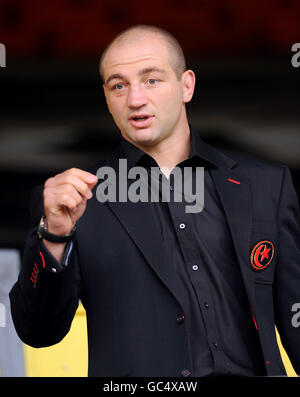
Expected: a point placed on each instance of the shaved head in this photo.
(134, 34)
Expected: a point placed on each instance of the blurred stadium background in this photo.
(53, 114)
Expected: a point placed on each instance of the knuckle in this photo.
(66, 175)
(86, 189)
(47, 193)
(68, 188)
(67, 178)
(49, 182)
(64, 198)
(72, 170)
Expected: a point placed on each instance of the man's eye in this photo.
(118, 86)
(152, 81)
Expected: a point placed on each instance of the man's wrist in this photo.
(44, 233)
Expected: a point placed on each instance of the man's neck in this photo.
(172, 150)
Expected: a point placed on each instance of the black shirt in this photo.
(200, 249)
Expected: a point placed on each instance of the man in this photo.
(166, 292)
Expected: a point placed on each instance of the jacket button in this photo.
(180, 319)
(185, 373)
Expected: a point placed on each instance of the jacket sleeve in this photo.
(45, 297)
(287, 278)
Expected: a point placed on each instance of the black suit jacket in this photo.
(118, 269)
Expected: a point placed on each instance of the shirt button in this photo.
(182, 225)
(180, 318)
(206, 305)
(185, 373)
(215, 344)
(171, 188)
(195, 267)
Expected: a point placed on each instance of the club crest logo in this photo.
(262, 255)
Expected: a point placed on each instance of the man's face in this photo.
(142, 91)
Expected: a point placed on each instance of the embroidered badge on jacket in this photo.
(262, 255)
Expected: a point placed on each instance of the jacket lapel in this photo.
(235, 194)
(141, 223)
(234, 191)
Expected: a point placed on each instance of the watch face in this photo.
(42, 223)
(41, 228)
(42, 232)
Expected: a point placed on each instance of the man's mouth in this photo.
(141, 120)
(140, 117)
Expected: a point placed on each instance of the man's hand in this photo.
(65, 197)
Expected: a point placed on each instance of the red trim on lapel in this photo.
(232, 180)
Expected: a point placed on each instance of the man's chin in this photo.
(145, 137)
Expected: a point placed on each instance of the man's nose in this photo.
(136, 97)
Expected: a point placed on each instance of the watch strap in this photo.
(43, 233)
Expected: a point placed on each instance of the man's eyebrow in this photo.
(114, 76)
(149, 69)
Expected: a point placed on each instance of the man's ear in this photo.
(188, 81)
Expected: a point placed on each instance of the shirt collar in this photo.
(200, 153)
